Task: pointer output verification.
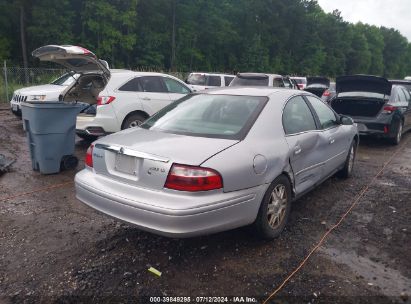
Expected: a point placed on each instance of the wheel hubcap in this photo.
(277, 206)
(134, 123)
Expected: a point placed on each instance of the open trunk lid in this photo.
(361, 95)
(94, 73)
(143, 157)
(363, 83)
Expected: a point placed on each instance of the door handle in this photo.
(331, 140)
(297, 150)
(146, 98)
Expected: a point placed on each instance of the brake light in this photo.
(389, 109)
(326, 93)
(89, 157)
(104, 100)
(191, 178)
(301, 86)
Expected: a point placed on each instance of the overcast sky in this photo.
(388, 13)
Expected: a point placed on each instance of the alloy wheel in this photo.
(277, 206)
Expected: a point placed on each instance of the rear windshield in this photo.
(66, 79)
(240, 81)
(215, 116)
(196, 79)
(300, 80)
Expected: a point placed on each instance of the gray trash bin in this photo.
(50, 128)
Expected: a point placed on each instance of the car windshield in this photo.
(196, 79)
(215, 116)
(249, 81)
(65, 79)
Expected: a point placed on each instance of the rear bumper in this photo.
(89, 123)
(155, 211)
(381, 127)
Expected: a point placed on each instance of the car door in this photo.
(153, 93)
(333, 142)
(303, 140)
(175, 89)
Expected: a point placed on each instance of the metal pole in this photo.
(5, 81)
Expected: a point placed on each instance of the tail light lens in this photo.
(191, 178)
(389, 109)
(301, 86)
(89, 157)
(104, 100)
(326, 93)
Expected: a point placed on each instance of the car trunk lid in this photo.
(363, 83)
(361, 95)
(94, 73)
(147, 160)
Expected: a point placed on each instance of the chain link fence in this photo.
(13, 78)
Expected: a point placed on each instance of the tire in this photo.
(347, 170)
(270, 226)
(87, 137)
(398, 134)
(133, 120)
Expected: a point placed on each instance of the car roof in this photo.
(212, 74)
(400, 81)
(249, 91)
(251, 75)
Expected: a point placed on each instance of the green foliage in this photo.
(276, 36)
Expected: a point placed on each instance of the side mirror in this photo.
(345, 120)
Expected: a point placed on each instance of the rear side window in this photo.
(174, 86)
(131, 86)
(325, 114)
(227, 80)
(297, 117)
(152, 84)
(214, 81)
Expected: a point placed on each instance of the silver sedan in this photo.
(218, 160)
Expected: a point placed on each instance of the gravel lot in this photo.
(55, 249)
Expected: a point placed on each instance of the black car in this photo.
(376, 105)
(317, 85)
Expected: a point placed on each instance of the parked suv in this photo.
(45, 92)
(376, 105)
(128, 99)
(203, 81)
(262, 79)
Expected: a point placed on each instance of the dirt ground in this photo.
(55, 249)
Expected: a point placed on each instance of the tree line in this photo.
(294, 37)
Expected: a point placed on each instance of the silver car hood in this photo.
(189, 150)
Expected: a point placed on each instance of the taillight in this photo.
(191, 178)
(104, 100)
(301, 86)
(389, 109)
(326, 93)
(89, 157)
